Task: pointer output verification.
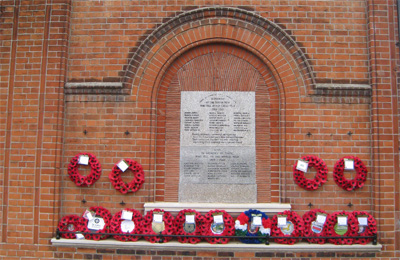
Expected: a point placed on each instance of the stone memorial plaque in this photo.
(217, 145)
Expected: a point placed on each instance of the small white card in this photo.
(96, 223)
(88, 215)
(257, 221)
(302, 165)
(83, 159)
(218, 219)
(126, 214)
(342, 220)
(122, 165)
(321, 218)
(282, 221)
(362, 221)
(158, 218)
(348, 164)
(79, 236)
(189, 219)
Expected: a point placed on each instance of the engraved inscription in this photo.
(217, 137)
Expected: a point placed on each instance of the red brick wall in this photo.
(44, 44)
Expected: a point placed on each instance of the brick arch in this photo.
(218, 24)
(269, 119)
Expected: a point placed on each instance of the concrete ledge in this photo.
(204, 246)
(343, 86)
(231, 208)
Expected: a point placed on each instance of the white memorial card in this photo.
(83, 160)
(158, 218)
(348, 164)
(257, 221)
(362, 220)
(218, 219)
(79, 236)
(122, 165)
(189, 219)
(321, 218)
(282, 221)
(126, 214)
(302, 165)
(342, 220)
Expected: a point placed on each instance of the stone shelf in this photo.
(204, 246)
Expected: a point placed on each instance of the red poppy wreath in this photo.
(76, 177)
(119, 184)
(189, 222)
(293, 227)
(352, 184)
(96, 220)
(71, 223)
(366, 226)
(218, 223)
(158, 221)
(124, 222)
(341, 224)
(314, 226)
(319, 179)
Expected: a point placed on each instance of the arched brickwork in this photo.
(274, 55)
(268, 114)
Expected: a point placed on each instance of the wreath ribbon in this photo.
(319, 179)
(243, 226)
(210, 225)
(332, 222)
(309, 219)
(72, 223)
(117, 221)
(106, 216)
(134, 185)
(167, 223)
(353, 184)
(298, 227)
(180, 222)
(77, 178)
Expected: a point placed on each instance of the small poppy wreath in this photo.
(126, 226)
(319, 179)
(97, 213)
(314, 229)
(165, 227)
(225, 228)
(72, 223)
(348, 232)
(352, 184)
(183, 228)
(83, 181)
(368, 230)
(244, 226)
(134, 185)
(295, 228)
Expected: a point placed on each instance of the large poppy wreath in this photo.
(158, 221)
(293, 228)
(77, 178)
(352, 184)
(334, 229)
(189, 222)
(319, 179)
(71, 223)
(96, 220)
(218, 223)
(134, 185)
(245, 225)
(367, 230)
(127, 221)
(314, 228)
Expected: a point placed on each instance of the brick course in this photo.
(315, 62)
